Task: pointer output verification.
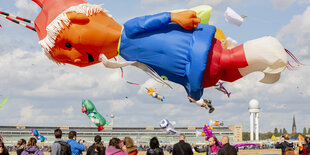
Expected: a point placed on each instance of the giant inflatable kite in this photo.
(90, 110)
(174, 45)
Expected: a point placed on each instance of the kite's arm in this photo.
(187, 19)
(147, 23)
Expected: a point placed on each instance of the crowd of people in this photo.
(288, 148)
(116, 146)
(126, 146)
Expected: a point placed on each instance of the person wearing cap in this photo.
(97, 147)
(285, 146)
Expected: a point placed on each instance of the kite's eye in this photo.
(68, 45)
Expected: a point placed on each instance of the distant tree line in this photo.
(276, 132)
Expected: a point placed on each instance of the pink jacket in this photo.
(111, 150)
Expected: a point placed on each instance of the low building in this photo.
(141, 135)
(237, 130)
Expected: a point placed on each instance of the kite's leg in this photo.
(203, 103)
(208, 103)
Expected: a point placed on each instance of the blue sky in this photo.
(44, 93)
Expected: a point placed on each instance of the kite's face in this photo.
(35, 132)
(88, 106)
(85, 38)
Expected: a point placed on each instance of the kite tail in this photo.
(228, 94)
(245, 144)
(289, 65)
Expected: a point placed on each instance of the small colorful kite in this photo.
(155, 94)
(233, 17)
(207, 129)
(221, 88)
(38, 136)
(168, 126)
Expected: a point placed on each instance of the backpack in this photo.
(155, 151)
(65, 148)
(289, 150)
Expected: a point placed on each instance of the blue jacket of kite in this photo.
(169, 49)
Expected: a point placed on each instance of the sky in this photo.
(42, 93)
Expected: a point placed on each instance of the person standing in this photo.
(32, 148)
(129, 146)
(60, 147)
(182, 148)
(304, 148)
(285, 146)
(154, 150)
(227, 149)
(76, 147)
(97, 147)
(211, 149)
(3, 149)
(115, 148)
(21, 145)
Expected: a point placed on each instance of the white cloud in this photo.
(29, 114)
(120, 105)
(27, 9)
(282, 4)
(204, 2)
(68, 112)
(297, 32)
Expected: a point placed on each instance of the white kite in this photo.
(168, 126)
(233, 17)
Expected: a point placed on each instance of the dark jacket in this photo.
(19, 150)
(182, 148)
(205, 149)
(91, 150)
(283, 146)
(156, 151)
(227, 149)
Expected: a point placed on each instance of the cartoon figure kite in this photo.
(221, 88)
(207, 129)
(168, 126)
(90, 110)
(171, 44)
(233, 17)
(154, 94)
(38, 136)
